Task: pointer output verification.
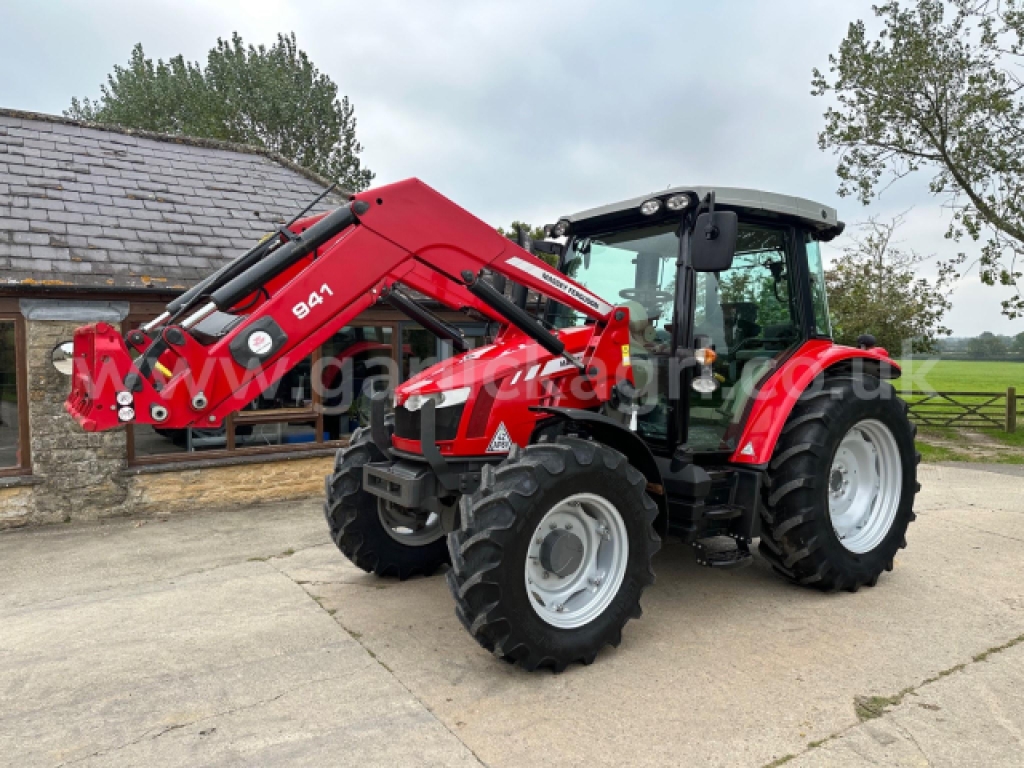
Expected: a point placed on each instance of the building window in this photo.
(14, 444)
(318, 402)
(421, 349)
(354, 363)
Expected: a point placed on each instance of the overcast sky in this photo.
(527, 109)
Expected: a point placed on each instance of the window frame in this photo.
(805, 240)
(24, 465)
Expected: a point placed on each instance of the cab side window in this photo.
(748, 314)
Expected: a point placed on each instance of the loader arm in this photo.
(277, 306)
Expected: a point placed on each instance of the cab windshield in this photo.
(633, 268)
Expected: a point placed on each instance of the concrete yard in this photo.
(244, 638)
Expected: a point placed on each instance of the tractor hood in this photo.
(512, 352)
(483, 397)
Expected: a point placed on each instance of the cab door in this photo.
(749, 316)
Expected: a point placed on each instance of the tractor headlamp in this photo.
(561, 229)
(650, 207)
(440, 399)
(678, 203)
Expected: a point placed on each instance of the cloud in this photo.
(527, 109)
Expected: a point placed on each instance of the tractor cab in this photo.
(751, 315)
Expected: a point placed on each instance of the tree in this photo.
(1018, 344)
(536, 233)
(269, 97)
(986, 345)
(937, 91)
(873, 288)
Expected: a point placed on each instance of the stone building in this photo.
(98, 223)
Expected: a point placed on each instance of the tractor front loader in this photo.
(680, 380)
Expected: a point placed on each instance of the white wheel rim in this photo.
(407, 529)
(865, 482)
(576, 599)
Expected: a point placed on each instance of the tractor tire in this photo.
(841, 485)
(527, 503)
(357, 525)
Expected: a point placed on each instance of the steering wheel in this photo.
(645, 295)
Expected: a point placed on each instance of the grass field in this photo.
(975, 446)
(965, 444)
(961, 375)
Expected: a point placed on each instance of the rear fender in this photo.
(629, 444)
(779, 393)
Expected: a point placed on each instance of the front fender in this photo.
(780, 392)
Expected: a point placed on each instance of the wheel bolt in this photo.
(559, 608)
(553, 526)
(545, 575)
(568, 526)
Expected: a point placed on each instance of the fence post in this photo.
(1011, 409)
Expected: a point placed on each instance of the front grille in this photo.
(446, 422)
(407, 423)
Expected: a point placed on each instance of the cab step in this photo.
(723, 552)
(723, 512)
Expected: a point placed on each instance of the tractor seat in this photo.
(212, 329)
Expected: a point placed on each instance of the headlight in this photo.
(440, 399)
(651, 207)
(678, 202)
(561, 228)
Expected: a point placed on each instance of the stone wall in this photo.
(78, 473)
(169, 492)
(80, 476)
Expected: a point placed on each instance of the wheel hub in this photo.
(408, 528)
(576, 560)
(561, 553)
(838, 481)
(864, 486)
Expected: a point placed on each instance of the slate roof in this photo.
(84, 206)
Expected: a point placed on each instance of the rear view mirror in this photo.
(714, 241)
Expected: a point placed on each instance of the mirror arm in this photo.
(711, 231)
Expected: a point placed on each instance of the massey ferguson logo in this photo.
(576, 294)
(538, 271)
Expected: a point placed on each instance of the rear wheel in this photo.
(381, 540)
(841, 485)
(553, 553)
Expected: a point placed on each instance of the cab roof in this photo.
(820, 217)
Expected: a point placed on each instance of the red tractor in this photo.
(680, 380)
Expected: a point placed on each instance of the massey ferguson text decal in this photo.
(596, 304)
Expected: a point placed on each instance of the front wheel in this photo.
(842, 483)
(375, 537)
(553, 553)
